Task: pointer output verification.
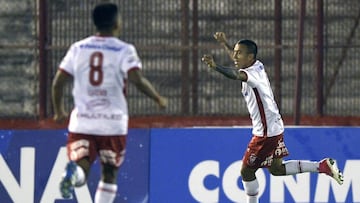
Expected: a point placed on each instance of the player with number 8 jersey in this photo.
(99, 65)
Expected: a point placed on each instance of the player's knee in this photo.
(85, 164)
(277, 170)
(247, 174)
(110, 157)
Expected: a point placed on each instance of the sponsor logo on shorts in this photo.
(252, 159)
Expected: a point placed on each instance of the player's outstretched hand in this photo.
(163, 102)
(220, 37)
(209, 61)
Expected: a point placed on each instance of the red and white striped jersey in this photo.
(99, 66)
(264, 113)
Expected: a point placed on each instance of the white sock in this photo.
(105, 193)
(300, 166)
(80, 176)
(251, 190)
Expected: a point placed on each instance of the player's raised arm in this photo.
(221, 38)
(231, 73)
(146, 87)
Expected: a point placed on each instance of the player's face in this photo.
(242, 58)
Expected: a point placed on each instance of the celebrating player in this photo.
(266, 148)
(99, 65)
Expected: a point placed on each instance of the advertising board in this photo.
(181, 165)
(32, 162)
(203, 165)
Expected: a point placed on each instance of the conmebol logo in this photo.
(299, 186)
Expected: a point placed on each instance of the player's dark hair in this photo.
(250, 46)
(105, 15)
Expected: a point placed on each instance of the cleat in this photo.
(68, 180)
(329, 167)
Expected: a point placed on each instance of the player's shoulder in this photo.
(127, 45)
(79, 43)
(84, 40)
(103, 43)
(257, 66)
(121, 44)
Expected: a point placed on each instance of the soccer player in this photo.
(266, 148)
(100, 66)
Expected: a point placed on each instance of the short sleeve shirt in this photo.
(99, 66)
(264, 113)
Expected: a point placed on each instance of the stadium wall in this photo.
(171, 37)
(197, 164)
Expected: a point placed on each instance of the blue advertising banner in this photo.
(32, 162)
(181, 165)
(203, 165)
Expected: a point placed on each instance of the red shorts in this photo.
(110, 149)
(262, 150)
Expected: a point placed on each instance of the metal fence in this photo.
(314, 70)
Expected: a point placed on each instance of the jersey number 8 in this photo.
(96, 73)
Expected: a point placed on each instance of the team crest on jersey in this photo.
(252, 159)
